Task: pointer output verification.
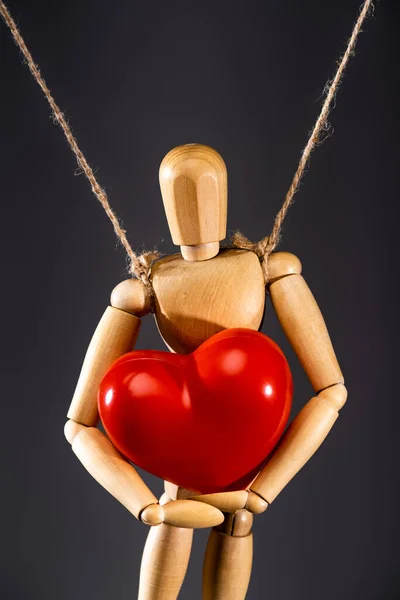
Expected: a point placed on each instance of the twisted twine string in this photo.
(264, 247)
(139, 265)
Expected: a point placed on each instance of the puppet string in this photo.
(264, 247)
(139, 265)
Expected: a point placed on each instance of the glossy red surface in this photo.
(205, 421)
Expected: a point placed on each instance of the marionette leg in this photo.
(164, 563)
(228, 559)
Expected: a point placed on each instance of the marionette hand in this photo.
(182, 513)
(230, 502)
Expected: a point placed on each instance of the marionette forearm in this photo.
(115, 335)
(305, 328)
(304, 436)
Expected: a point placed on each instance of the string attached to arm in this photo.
(264, 247)
(139, 265)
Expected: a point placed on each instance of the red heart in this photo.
(205, 421)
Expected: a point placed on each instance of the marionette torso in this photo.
(198, 293)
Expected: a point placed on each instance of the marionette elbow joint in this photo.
(335, 394)
(71, 429)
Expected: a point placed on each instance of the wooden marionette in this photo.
(223, 393)
(208, 304)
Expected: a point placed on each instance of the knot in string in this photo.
(140, 266)
(262, 249)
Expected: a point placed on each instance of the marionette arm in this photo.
(305, 328)
(115, 335)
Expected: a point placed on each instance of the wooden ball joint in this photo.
(200, 292)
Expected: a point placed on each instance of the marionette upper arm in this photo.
(114, 336)
(302, 321)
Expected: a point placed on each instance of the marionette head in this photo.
(193, 183)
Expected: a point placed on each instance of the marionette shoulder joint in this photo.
(132, 297)
(282, 264)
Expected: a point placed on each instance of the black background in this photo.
(136, 79)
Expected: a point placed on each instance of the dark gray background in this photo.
(136, 79)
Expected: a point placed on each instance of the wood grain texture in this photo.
(164, 563)
(225, 501)
(132, 297)
(303, 437)
(194, 515)
(112, 470)
(336, 395)
(115, 335)
(255, 504)
(237, 524)
(195, 300)
(227, 566)
(305, 328)
(281, 264)
(200, 252)
(193, 183)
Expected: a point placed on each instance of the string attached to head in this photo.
(139, 265)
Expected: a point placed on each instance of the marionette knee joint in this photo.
(237, 524)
